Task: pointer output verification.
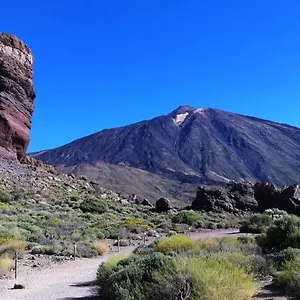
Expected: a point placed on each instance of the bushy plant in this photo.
(133, 278)
(284, 233)
(101, 247)
(93, 205)
(186, 217)
(5, 264)
(4, 197)
(257, 223)
(215, 278)
(175, 243)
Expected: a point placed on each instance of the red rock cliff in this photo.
(16, 96)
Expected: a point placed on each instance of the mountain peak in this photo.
(182, 109)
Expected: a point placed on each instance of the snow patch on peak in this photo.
(200, 110)
(180, 118)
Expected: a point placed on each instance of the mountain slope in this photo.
(192, 146)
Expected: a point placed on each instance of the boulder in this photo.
(162, 205)
(16, 96)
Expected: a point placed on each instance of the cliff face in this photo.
(16, 96)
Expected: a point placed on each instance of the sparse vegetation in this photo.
(51, 213)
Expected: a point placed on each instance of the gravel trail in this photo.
(68, 281)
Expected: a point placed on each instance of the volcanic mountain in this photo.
(174, 153)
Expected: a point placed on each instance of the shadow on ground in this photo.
(81, 285)
(270, 292)
(81, 298)
(84, 284)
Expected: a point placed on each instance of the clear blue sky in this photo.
(102, 64)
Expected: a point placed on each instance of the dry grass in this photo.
(12, 246)
(207, 242)
(5, 264)
(101, 247)
(215, 278)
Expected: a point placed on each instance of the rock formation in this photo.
(244, 196)
(16, 96)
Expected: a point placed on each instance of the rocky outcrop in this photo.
(237, 196)
(162, 205)
(244, 196)
(16, 96)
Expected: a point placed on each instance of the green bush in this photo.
(5, 197)
(257, 223)
(134, 278)
(284, 233)
(186, 217)
(175, 243)
(93, 205)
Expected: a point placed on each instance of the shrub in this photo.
(284, 233)
(11, 246)
(289, 273)
(5, 197)
(293, 287)
(175, 243)
(284, 256)
(93, 205)
(207, 243)
(246, 239)
(137, 222)
(215, 278)
(257, 223)
(5, 264)
(133, 278)
(101, 247)
(186, 217)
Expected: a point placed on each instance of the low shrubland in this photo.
(52, 219)
(178, 267)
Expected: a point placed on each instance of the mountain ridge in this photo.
(193, 146)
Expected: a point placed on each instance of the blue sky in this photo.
(102, 64)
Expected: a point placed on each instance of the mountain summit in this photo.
(189, 145)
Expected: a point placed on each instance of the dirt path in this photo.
(72, 279)
(68, 281)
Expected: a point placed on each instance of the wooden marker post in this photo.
(16, 264)
(119, 244)
(75, 251)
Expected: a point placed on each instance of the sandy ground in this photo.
(72, 279)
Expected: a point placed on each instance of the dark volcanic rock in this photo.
(290, 199)
(266, 195)
(237, 196)
(244, 196)
(162, 205)
(16, 96)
